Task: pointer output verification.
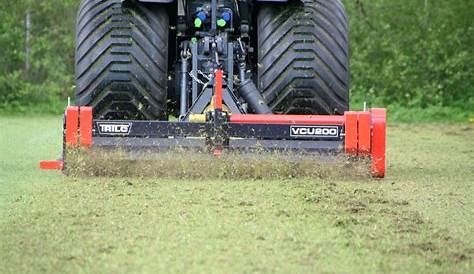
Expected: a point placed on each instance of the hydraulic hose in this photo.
(252, 96)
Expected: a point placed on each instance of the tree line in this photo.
(407, 53)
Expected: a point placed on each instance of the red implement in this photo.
(357, 134)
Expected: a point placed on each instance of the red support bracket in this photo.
(351, 142)
(85, 127)
(218, 89)
(364, 132)
(71, 126)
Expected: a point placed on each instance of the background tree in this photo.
(407, 54)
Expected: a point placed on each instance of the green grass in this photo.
(430, 114)
(419, 219)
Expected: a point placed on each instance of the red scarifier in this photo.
(363, 134)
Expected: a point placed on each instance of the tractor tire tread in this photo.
(303, 57)
(122, 59)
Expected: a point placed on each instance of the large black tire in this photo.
(303, 57)
(122, 59)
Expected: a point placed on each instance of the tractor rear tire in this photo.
(303, 57)
(122, 59)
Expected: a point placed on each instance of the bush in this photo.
(414, 54)
(405, 54)
(49, 80)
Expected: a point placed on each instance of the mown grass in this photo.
(419, 219)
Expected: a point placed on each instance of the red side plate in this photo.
(379, 128)
(351, 139)
(364, 133)
(85, 127)
(72, 126)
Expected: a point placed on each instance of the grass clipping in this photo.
(200, 165)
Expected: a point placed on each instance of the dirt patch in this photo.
(372, 218)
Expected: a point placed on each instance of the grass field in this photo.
(418, 220)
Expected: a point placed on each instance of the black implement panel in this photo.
(164, 129)
(149, 129)
(286, 132)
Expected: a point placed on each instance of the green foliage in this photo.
(412, 54)
(405, 55)
(49, 79)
